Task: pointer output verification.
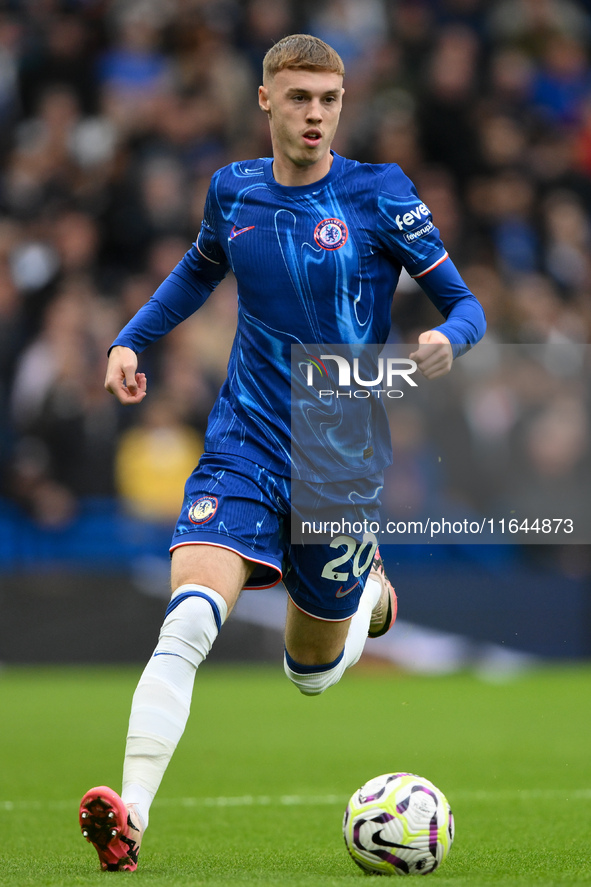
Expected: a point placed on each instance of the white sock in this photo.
(311, 680)
(359, 627)
(162, 700)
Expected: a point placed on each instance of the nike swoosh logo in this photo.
(341, 593)
(236, 231)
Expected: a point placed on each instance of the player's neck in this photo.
(289, 174)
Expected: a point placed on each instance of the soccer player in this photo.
(316, 243)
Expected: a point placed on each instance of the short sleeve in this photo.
(405, 227)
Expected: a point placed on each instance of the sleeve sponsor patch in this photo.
(410, 236)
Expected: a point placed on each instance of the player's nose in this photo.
(314, 112)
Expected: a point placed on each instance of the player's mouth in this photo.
(312, 137)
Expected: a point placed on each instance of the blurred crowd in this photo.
(115, 113)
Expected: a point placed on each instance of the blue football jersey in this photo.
(314, 264)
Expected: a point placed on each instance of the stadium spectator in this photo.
(10, 99)
(133, 74)
(530, 24)
(446, 108)
(153, 460)
(562, 81)
(67, 431)
(60, 54)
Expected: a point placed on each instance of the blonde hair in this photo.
(302, 51)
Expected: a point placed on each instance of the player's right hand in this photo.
(122, 378)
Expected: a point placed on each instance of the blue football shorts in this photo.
(236, 504)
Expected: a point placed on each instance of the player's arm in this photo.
(465, 322)
(184, 291)
(406, 232)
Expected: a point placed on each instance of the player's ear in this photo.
(264, 99)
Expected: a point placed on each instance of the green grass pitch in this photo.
(257, 789)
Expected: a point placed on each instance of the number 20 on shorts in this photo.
(362, 555)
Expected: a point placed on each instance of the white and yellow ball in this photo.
(398, 824)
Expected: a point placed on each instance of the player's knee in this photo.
(192, 622)
(311, 680)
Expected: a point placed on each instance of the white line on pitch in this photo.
(581, 794)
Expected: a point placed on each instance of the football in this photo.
(398, 824)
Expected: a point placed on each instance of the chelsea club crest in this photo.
(203, 509)
(331, 234)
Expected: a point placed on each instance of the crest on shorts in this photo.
(203, 509)
(331, 234)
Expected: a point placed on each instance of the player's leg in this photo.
(207, 581)
(320, 646)
(213, 554)
(339, 592)
(313, 641)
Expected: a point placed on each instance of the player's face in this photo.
(304, 109)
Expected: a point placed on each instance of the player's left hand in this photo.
(434, 356)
